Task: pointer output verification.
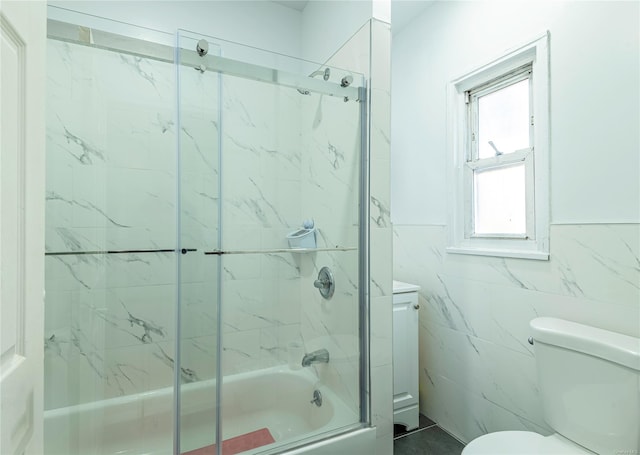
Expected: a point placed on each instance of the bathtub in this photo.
(142, 424)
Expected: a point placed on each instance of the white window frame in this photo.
(462, 152)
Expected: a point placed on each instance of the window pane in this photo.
(500, 204)
(503, 120)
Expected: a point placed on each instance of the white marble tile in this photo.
(199, 309)
(381, 233)
(339, 315)
(380, 205)
(623, 318)
(380, 90)
(381, 322)
(500, 375)
(139, 136)
(197, 267)
(417, 251)
(341, 375)
(464, 414)
(78, 272)
(199, 141)
(475, 316)
(381, 265)
(65, 239)
(240, 351)
(259, 303)
(274, 342)
(382, 400)
(120, 317)
(78, 371)
(330, 167)
(199, 355)
(598, 262)
(199, 91)
(59, 193)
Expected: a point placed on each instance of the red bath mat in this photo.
(239, 444)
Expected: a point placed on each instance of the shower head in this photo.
(346, 81)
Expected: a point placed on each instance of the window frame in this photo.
(474, 164)
(530, 61)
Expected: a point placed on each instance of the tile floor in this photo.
(427, 439)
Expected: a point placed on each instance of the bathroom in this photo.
(477, 371)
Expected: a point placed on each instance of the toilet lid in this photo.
(522, 443)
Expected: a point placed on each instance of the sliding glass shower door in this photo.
(270, 193)
(110, 260)
(198, 309)
(204, 259)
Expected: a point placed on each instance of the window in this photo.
(499, 156)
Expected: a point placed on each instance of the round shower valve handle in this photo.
(325, 283)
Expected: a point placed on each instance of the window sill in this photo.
(503, 253)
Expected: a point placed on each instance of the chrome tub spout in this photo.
(319, 356)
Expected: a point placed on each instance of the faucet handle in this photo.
(325, 283)
(321, 284)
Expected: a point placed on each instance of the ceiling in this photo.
(402, 11)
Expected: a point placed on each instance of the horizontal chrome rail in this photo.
(74, 253)
(85, 36)
(208, 253)
(279, 250)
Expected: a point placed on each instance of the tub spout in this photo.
(319, 356)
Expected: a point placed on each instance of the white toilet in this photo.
(589, 383)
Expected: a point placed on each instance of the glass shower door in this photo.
(110, 238)
(283, 205)
(197, 369)
(290, 193)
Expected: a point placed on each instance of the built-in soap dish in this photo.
(303, 238)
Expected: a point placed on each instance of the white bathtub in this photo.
(142, 424)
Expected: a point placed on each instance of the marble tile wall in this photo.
(257, 126)
(330, 193)
(477, 371)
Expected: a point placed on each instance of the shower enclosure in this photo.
(195, 190)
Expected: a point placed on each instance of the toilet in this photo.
(589, 383)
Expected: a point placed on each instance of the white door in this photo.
(22, 135)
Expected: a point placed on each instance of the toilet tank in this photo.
(589, 383)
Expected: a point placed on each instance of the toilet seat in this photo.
(522, 443)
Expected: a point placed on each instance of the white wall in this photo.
(594, 92)
(328, 25)
(477, 371)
